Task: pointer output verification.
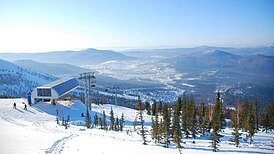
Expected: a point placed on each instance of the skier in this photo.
(25, 108)
(14, 105)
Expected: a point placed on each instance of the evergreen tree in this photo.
(202, 119)
(185, 116)
(256, 118)
(155, 128)
(208, 118)
(176, 127)
(243, 119)
(166, 125)
(250, 123)
(104, 121)
(148, 108)
(101, 122)
(122, 122)
(139, 105)
(111, 119)
(116, 126)
(266, 119)
(160, 107)
(235, 119)
(95, 120)
(139, 122)
(154, 108)
(192, 117)
(216, 123)
(180, 104)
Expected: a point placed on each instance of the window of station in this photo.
(44, 92)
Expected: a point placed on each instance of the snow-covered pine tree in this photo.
(208, 117)
(96, 120)
(148, 108)
(139, 105)
(251, 123)
(166, 125)
(116, 125)
(185, 116)
(256, 116)
(202, 118)
(111, 119)
(216, 123)
(139, 122)
(122, 122)
(244, 113)
(104, 121)
(160, 107)
(154, 108)
(235, 119)
(101, 122)
(176, 127)
(192, 118)
(155, 134)
(267, 119)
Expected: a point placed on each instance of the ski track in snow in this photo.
(58, 145)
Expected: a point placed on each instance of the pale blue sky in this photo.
(35, 26)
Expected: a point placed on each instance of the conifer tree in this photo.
(101, 122)
(185, 116)
(266, 119)
(176, 127)
(148, 108)
(154, 108)
(122, 122)
(160, 107)
(244, 113)
(202, 119)
(95, 120)
(235, 119)
(216, 123)
(104, 121)
(250, 123)
(180, 104)
(139, 105)
(256, 118)
(192, 117)
(139, 122)
(155, 128)
(208, 118)
(116, 126)
(111, 119)
(166, 125)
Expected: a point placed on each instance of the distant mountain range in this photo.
(200, 71)
(83, 57)
(56, 69)
(16, 81)
(174, 52)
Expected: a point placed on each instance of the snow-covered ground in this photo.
(35, 131)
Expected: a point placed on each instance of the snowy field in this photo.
(35, 131)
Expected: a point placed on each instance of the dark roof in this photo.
(62, 86)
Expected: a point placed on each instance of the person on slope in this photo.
(14, 105)
(25, 108)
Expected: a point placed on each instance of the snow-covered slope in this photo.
(16, 81)
(35, 131)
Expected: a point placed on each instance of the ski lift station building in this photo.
(54, 90)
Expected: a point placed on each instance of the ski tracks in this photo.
(58, 145)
